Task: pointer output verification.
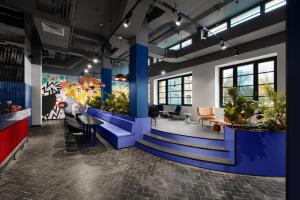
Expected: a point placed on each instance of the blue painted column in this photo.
(138, 80)
(106, 77)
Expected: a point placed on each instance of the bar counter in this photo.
(14, 130)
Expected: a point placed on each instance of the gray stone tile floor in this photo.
(43, 170)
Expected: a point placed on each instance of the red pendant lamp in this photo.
(120, 77)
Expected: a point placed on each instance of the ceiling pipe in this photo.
(173, 9)
(162, 34)
(72, 25)
(128, 15)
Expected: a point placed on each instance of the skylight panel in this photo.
(245, 16)
(186, 43)
(175, 47)
(272, 5)
(217, 29)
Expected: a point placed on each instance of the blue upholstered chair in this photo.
(176, 113)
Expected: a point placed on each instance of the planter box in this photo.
(120, 130)
(259, 153)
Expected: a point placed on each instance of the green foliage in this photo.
(94, 102)
(117, 103)
(239, 110)
(273, 110)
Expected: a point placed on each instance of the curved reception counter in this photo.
(14, 130)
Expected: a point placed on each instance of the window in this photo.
(155, 60)
(272, 5)
(175, 47)
(187, 87)
(148, 61)
(217, 29)
(186, 43)
(176, 90)
(162, 92)
(245, 16)
(248, 78)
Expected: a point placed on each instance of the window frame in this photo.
(167, 90)
(255, 77)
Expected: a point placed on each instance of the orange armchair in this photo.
(206, 114)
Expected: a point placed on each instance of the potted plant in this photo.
(256, 134)
(239, 110)
(117, 103)
(272, 112)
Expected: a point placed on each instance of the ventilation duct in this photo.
(54, 32)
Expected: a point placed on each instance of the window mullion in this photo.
(167, 92)
(255, 79)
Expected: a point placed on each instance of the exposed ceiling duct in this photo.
(54, 32)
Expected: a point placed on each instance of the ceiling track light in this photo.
(203, 34)
(126, 23)
(95, 60)
(89, 66)
(86, 71)
(179, 20)
(237, 52)
(223, 45)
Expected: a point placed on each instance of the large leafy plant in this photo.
(117, 103)
(94, 102)
(239, 110)
(273, 110)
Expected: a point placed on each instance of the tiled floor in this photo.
(193, 129)
(44, 171)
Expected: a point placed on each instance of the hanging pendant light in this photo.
(120, 77)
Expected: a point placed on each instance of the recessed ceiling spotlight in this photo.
(86, 71)
(95, 60)
(89, 66)
(126, 23)
(101, 25)
(163, 72)
(120, 37)
(223, 45)
(179, 20)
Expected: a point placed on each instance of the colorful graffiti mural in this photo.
(120, 87)
(60, 92)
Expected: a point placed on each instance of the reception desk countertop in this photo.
(9, 119)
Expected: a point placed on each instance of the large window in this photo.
(248, 78)
(272, 5)
(217, 29)
(245, 16)
(175, 91)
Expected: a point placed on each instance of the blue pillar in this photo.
(138, 80)
(106, 78)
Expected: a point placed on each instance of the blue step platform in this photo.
(242, 152)
(119, 130)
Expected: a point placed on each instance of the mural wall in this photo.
(59, 92)
(119, 86)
